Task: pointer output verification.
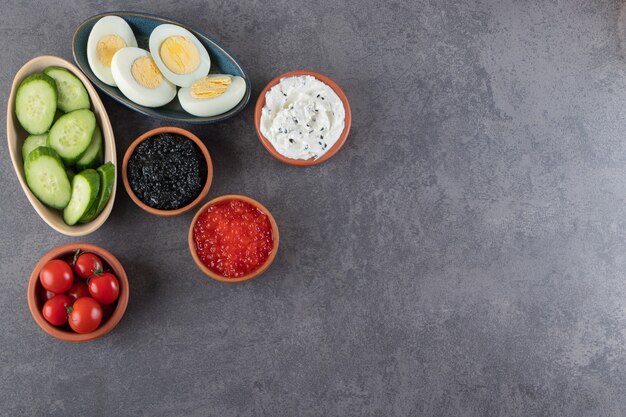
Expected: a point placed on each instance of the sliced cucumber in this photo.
(94, 154)
(107, 179)
(71, 135)
(46, 177)
(36, 103)
(33, 142)
(72, 94)
(85, 188)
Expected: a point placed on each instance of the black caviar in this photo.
(167, 171)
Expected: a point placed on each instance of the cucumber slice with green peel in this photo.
(33, 142)
(72, 94)
(71, 135)
(107, 179)
(94, 154)
(46, 177)
(36, 103)
(85, 188)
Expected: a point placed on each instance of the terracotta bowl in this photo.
(34, 289)
(179, 131)
(16, 135)
(303, 162)
(257, 272)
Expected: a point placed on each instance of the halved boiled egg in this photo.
(108, 35)
(212, 95)
(138, 77)
(179, 54)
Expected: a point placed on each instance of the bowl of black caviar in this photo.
(167, 171)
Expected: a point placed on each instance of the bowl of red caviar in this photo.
(233, 238)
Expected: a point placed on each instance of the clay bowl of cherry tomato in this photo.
(77, 297)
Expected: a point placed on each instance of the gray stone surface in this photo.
(464, 254)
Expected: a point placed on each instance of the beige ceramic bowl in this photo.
(16, 135)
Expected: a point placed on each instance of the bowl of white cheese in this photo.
(302, 118)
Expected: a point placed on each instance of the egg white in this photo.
(160, 34)
(121, 68)
(108, 25)
(207, 107)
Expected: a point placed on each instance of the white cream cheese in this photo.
(302, 117)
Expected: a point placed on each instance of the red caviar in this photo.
(233, 238)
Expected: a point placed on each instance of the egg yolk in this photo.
(179, 55)
(107, 47)
(146, 73)
(210, 87)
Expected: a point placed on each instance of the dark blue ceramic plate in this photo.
(142, 25)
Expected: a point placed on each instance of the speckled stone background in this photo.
(463, 255)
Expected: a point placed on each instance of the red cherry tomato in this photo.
(55, 309)
(87, 264)
(79, 289)
(86, 315)
(56, 276)
(104, 288)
